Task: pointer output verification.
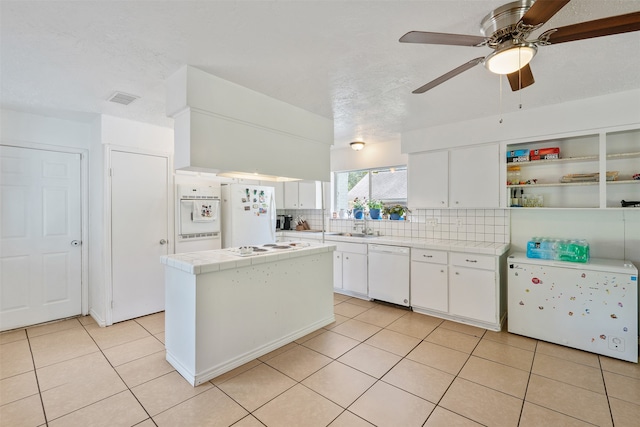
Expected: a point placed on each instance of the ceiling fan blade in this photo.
(521, 78)
(542, 10)
(443, 78)
(442, 38)
(597, 28)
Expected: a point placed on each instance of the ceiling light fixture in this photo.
(357, 145)
(510, 57)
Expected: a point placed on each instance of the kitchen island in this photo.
(224, 308)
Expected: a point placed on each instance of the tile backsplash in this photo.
(475, 225)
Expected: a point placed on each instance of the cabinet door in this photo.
(337, 270)
(354, 272)
(472, 294)
(309, 195)
(474, 177)
(291, 195)
(429, 287)
(428, 179)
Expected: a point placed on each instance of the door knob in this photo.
(76, 243)
(163, 242)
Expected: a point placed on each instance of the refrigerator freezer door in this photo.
(590, 309)
(248, 216)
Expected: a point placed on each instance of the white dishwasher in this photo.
(389, 274)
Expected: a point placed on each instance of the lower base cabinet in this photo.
(463, 287)
(472, 294)
(429, 281)
(350, 269)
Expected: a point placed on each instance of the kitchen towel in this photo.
(205, 211)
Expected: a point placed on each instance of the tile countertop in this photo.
(223, 259)
(487, 248)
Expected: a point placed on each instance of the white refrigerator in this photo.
(248, 215)
(591, 307)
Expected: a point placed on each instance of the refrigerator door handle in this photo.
(272, 216)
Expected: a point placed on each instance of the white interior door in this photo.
(40, 238)
(139, 233)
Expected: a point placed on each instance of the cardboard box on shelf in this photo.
(518, 156)
(545, 153)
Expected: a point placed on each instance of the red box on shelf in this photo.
(545, 153)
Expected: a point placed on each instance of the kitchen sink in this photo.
(355, 235)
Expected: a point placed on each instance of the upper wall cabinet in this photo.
(303, 195)
(474, 181)
(457, 178)
(583, 171)
(428, 179)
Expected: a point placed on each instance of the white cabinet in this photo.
(303, 195)
(462, 287)
(350, 269)
(458, 178)
(473, 287)
(474, 180)
(428, 179)
(354, 273)
(337, 270)
(429, 282)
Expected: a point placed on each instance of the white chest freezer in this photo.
(591, 307)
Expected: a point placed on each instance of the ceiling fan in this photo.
(506, 30)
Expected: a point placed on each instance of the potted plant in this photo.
(374, 208)
(358, 208)
(396, 211)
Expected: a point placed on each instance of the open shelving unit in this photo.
(595, 153)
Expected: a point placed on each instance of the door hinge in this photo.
(110, 172)
(112, 305)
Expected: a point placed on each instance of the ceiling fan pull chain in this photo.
(519, 79)
(500, 103)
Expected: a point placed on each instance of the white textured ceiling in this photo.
(339, 59)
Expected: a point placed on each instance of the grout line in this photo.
(35, 373)
(121, 379)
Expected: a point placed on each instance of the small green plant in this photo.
(396, 210)
(359, 204)
(375, 204)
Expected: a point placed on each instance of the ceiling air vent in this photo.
(123, 98)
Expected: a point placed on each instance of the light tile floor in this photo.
(376, 365)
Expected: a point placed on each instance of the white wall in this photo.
(372, 156)
(618, 109)
(611, 233)
(132, 134)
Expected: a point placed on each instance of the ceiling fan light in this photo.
(357, 145)
(510, 59)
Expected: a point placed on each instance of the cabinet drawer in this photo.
(485, 262)
(355, 248)
(428, 255)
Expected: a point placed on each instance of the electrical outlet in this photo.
(459, 222)
(432, 221)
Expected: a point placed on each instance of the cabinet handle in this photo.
(457, 274)
(442, 271)
(428, 256)
(346, 257)
(457, 202)
(442, 202)
(471, 260)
